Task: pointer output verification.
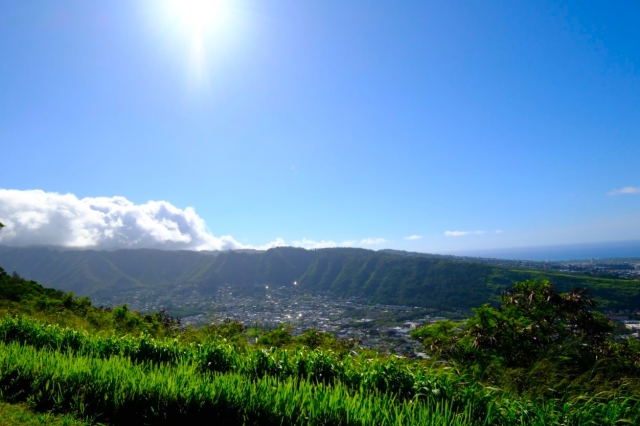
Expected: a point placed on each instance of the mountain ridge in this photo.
(380, 276)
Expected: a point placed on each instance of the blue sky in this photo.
(356, 123)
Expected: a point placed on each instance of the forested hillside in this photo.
(378, 276)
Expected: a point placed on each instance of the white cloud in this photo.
(372, 241)
(36, 217)
(625, 190)
(413, 237)
(278, 242)
(311, 244)
(498, 231)
(462, 233)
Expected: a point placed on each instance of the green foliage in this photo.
(538, 342)
(278, 337)
(230, 330)
(119, 392)
(23, 297)
(312, 339)
(535, 321)
(21, 415)
(219, 355)
(144, 381)
(371, 377)
(441, 339)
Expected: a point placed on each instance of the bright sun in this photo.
(198, 15)
(209, 27)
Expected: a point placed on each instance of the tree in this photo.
(534, 322)
(278, 337)
(228, 329)
(441, 339)
(314, 339)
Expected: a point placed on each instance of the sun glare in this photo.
(198, 15)
(208, 27)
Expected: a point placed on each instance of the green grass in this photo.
(21, 415)
(147, 381)
(118, 391)
(381, 374)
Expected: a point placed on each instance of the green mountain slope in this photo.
(382, 277)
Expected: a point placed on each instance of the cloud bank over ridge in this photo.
(311, 244)
(36, 217)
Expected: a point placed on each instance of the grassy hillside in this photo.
(115, 367)
(25, 297)
(381, 277)
(155, 381)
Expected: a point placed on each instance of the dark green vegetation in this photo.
(380, 277)
(23, 297)
(539, 343)
(20, 414)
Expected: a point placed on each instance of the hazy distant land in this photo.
(603, 250)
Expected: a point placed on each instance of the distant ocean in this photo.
(562, 252)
